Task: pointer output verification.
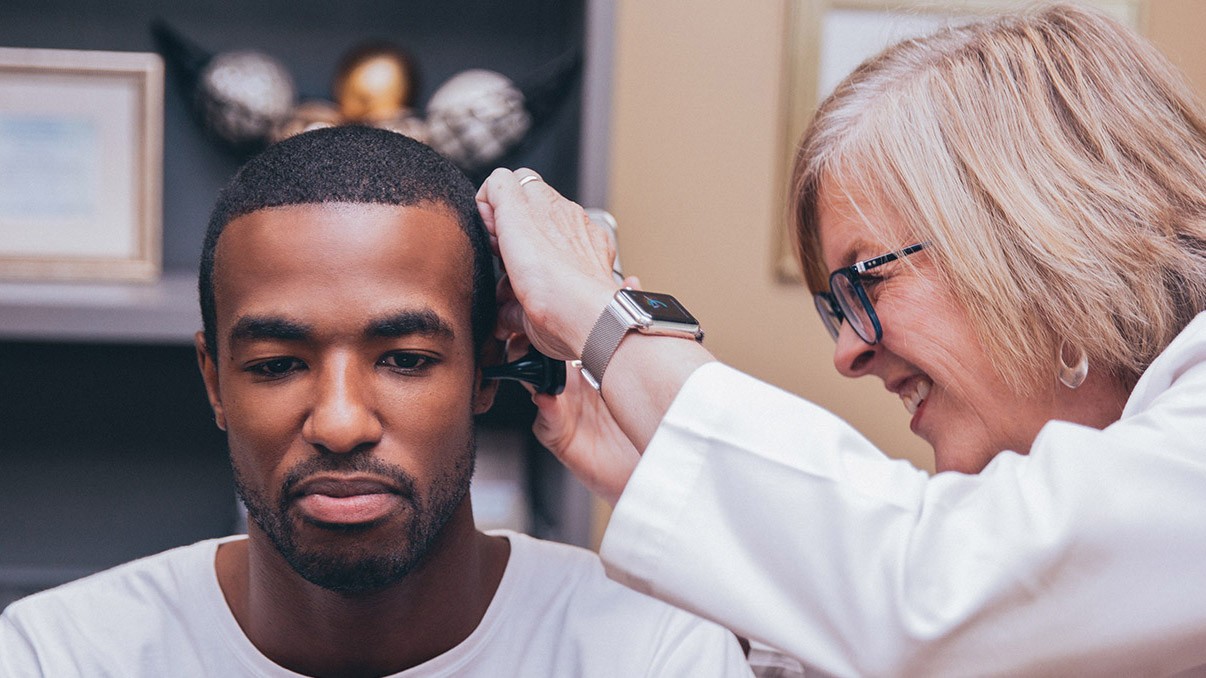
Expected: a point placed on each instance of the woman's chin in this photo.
(960, 458)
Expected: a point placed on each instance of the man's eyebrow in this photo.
(251, 328)
(403, 323)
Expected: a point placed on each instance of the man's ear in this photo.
(209, 372)
(490, 353)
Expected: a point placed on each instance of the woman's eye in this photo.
(409, 362)
(870, 280)
(871, 284)
(277, 367)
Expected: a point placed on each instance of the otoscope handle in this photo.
(535, 368)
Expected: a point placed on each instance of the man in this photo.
(347, 293)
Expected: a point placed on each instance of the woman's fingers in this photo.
(557, 262)
(518, 187)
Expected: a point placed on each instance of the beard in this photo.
(359, 566)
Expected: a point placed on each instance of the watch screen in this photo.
(662, 307)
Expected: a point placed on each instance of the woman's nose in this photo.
(344, 415)
(851, 355)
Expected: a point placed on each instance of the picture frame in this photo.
(827, 39)
(81, 165)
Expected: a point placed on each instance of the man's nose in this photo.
(343, 417)
(851, 355)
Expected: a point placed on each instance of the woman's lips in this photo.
(914, 392)
(914, 423)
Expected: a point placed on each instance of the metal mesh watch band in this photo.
(602, 342)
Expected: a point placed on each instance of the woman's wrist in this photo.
(644, 377)
(590, 309)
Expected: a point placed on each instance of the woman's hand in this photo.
(558, 263)
(579, 430)
(558, 280)
(576, 425)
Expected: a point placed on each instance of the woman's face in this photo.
(930, 354)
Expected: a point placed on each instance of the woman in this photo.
(1006, 224)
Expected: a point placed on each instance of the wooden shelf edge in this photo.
(162, 312)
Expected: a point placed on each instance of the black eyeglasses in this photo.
(848, 300)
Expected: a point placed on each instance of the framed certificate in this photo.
(81, 156)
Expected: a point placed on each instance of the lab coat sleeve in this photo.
(771, 516)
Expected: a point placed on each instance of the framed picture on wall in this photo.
(81, 155)
(827, 39)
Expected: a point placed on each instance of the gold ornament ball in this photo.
(306, 116)
(374, 83)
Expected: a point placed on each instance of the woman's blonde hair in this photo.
(1056, 161)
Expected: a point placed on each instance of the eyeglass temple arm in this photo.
(890, 256)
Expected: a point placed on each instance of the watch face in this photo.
(661, 307)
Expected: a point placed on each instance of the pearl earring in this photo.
(1073, 376)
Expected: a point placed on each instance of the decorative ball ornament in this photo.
(306, 116)
(244, 95)
(374, 87)
(405, 123)
(246, 98)
(475, 117)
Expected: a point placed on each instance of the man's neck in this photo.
(311, 630)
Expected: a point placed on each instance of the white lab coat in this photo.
(1087, 557)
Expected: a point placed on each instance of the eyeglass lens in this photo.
(852, 306)
(846, 290)
(829, 315)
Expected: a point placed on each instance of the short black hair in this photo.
(358, 165)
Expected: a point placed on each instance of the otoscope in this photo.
(535, 368)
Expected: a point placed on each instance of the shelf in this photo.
(163, 312)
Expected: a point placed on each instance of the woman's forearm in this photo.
(643, 378)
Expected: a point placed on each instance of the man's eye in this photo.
(407, 362)
(277, 367)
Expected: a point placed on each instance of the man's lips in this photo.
(344, 486)
(346, 500)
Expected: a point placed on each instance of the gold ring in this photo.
(529, 179)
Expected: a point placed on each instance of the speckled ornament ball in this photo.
(475, 117)
(243, 95)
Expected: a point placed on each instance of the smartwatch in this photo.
(645, 312)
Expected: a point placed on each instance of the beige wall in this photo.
(1176, 27)
(696, 155)
(696, 165)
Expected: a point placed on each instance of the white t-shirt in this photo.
(554, 614)
(1086, 558)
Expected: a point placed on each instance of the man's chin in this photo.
(346, 573)
(350, 559)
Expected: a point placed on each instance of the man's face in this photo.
(347, 383)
